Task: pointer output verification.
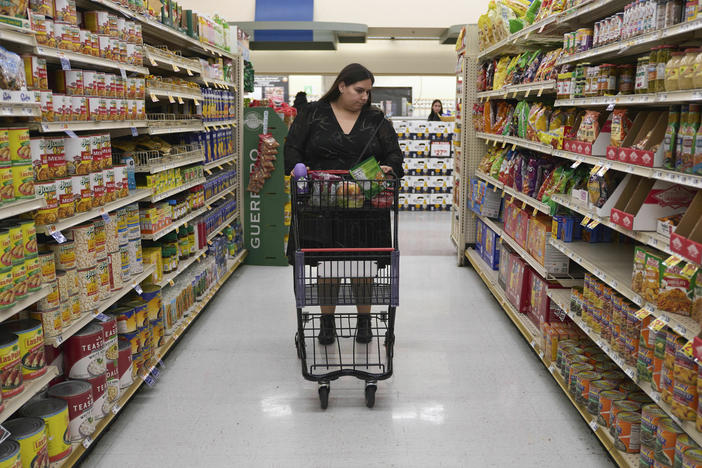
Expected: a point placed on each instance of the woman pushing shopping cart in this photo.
(343, 238)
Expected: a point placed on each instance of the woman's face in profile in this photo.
(436, 107)
(355, 95)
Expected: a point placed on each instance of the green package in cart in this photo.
(370, 177)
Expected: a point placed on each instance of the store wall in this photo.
(374, 13)
(382, 57)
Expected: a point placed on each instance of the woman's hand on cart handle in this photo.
(388, 170)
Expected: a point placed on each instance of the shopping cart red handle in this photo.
(331, 171)
(373, 249)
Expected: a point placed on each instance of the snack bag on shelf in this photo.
(504, 167)
(521, 114)
(600, 188)
(496, 164)
(621, 124)
(589, 127)
(533, 67)
(500, 72)
(653, 275)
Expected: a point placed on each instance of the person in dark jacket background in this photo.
(436, 110)
(300, 101)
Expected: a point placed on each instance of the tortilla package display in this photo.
(264, 165)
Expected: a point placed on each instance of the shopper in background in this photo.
(330, 134)
(436, 110)
(300, 101)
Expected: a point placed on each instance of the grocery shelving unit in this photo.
(80, 449)
(532, 336)
(610, 263)
(167, 52)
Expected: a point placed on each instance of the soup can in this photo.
(23, 181)
(66, 199)
(596, 388)
(30, 433)
(82, 193)
(112, 391)
(33, 267)
(125, 364)
(100, 403)
(10, 365)
(97, 185)
(64, 255)
(103, 274)
(628, 431)
(115, 262)
(682, 444)
(84, 353)
(7, 290)
(7, 188)
(100, 239)
(76, 311)
(666, 438)
(651, 415)
(79, 397)
(54, 413)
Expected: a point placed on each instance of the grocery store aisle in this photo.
(467, 390)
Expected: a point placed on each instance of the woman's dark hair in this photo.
(434, 116)
(352, 73)
(434, 102)
(300, 101)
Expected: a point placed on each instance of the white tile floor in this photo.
(467, 390)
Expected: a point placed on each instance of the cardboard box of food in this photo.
(642, 145)
(541, 309)
(491, 248)
(645, 200)
(687, 238)
(503, 266)
(518, 283)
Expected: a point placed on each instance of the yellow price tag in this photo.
(171, 282)
(642, 314)
(153, 62)
(689, 270)
(524, 205)
(154, 98)
(585, 221)
(503, 194)
(672, 261)
(593, 224)
(687, 349)
(189, 72)
(594, 170)
(170, 99)
(197, 103)
(175, 68)
(528, 91)
(504, 143)
(487, 99)
(180, 100)
(514, 146)
(657, 324)
(533, 213)
(494, 188)
(541, 91)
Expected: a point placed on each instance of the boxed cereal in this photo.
(518, 283)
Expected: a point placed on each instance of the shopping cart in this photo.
(345, 254)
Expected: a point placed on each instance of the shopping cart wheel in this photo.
(370, 394)
(323, 395)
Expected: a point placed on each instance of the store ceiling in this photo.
(326, 35)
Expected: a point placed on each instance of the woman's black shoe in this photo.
(364, 334)
(327, 329)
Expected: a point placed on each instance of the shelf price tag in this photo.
(687, 349)
(135, 132)
(137, 288)
(102, 317)
(672, 261)
(87, 441)
(187, 70)
(610, 106)
(594, 170)
(197, 103)
(594, 426)
(180, 100)
(175, 67)
(585, 221)
(689, 270)
(4, 434)
(576, 164)
(71, 133)
(57, 235)
(153, 97)
(528, 91)
(105, 216)
(593, 224)
(152, 61)
(604, 170)
(642, 314)
(65, 63)
(170, 99)
(524, 205)
(116, 408)
(657, 324)
(541, 91)
(533, 213)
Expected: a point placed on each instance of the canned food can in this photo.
(79, 397)
(666, 438)
(683, 443)
(23, 181)
(97, 185)
(124, 258)
(115, 262)
(76, 312)
(651, 415)
(88, 292)
(84, 353)
(18, 141)
(103, 273)
(85, 249)
(7, 289)
(10, 365)
(66, 199)
(692, 458)
(628, 432)
(31, 345)
(100, 403)
(54, 412)
(30, 433)
(64, 255)
(82, 193)
(51, 321)
(10, 454)
(124, 364)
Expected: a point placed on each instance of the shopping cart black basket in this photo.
(345, 239)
